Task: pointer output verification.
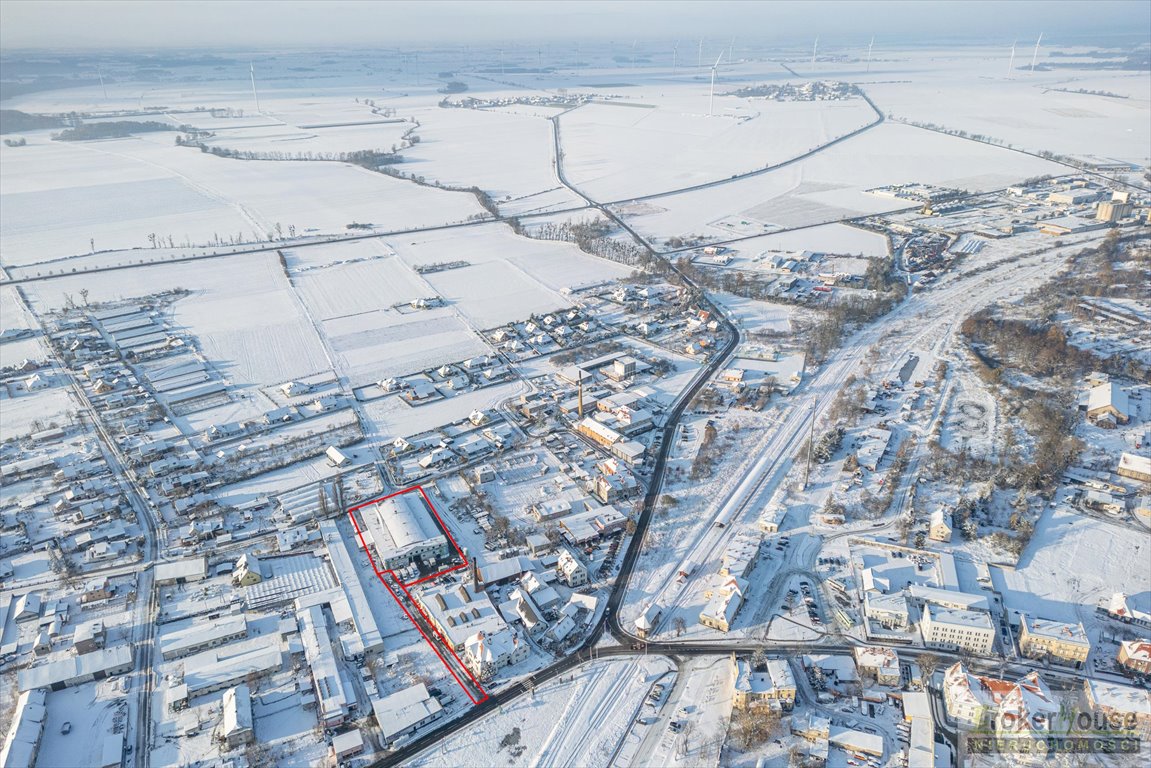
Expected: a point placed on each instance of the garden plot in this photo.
(391, 417)
(241, 310)
(831, 185)
(33, 411)
(13, 317)
(507, 278)
(342, 290)
(577, 719)
(620, 150)
(375, 345)
(494, 293)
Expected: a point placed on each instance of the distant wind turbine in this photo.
(869, 47)
(633, 44)
(699, 60)
(814, 50)
(674, 56)
(1035, 55)
(100, 74)
(1011, 61)
(711, 99)
(255, 96)
(731, 50)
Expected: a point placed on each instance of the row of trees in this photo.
(594, 237)
(115, 129)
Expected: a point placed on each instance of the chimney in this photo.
(581, 394)
(475, 569)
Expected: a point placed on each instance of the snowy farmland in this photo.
(619, 150)
(830, 185)
(194, 198)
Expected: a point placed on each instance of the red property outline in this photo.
(404, 587)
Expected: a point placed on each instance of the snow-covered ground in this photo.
(618, 150)
(577, 719)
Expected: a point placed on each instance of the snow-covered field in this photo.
(1071, 563)
(618, 150)
(509, 155)
(192, 197)
(830, 185)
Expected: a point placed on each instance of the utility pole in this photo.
(810, 446)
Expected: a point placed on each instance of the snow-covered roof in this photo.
(1118, 698)
(237, 710)
(1106, 395)
(407, 521)
(404, 709)
(1138, 651)
(1130, 462)
(974, 619)
(1055, 630)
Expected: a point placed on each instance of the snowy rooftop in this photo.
(1055, 630)
(402, 710)
(1120, 698)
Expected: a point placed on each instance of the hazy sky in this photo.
(95, 24)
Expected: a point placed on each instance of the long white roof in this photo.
(407, 520)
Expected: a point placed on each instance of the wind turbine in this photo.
(255, 96)
(1035, 55)
(731, 50)
(674, 56)
(633, 44)
(100, 74)
(699, 59)
(1011, 61)
(814, 50)
(711, 99)
(869, 47)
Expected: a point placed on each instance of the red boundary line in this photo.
(404, 587)
(443, 527)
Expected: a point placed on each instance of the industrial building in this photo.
(236, 728)
(593, 524)
(77, 670)
(197, 636)
(335, 697)
(404, 531)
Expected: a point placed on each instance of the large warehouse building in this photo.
(404, 530)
